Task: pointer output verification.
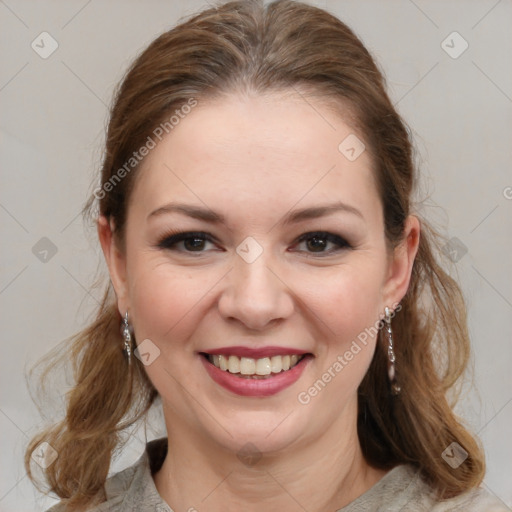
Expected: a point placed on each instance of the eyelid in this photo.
(323, 234)
(172, 238)
(169, 240)
(341, 243)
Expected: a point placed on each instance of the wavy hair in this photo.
(247, 46)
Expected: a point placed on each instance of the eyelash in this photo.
(171, 239)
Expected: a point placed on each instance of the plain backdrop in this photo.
(454, 90)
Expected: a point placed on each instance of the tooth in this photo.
(276, 364)
(263, 366)
(234, 364)
(252, 367)
(223, 362)
(247, 366)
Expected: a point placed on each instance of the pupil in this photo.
(189, 243)
(320, 243)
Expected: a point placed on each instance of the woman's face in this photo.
(254, 282)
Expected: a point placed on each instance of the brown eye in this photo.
(192, 241)
(317, 242)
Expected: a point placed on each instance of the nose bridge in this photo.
(251, 275)
(255, 296)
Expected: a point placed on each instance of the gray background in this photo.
(53, 115)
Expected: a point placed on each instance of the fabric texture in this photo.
(400, 490)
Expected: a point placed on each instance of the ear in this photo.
(401, 262)
(116, 262)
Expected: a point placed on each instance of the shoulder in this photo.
(418, 496)
(116, 491)
(476, 500)
(133, 488)
(403, 489)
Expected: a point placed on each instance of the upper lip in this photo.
(255, 353)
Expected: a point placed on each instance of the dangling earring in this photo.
(395, 388)
(127, 336)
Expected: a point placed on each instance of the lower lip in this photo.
(256, 387)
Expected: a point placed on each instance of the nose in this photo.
(255, 294)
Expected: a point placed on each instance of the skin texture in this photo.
(254, 159)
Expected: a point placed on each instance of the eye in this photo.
(193, 241)
(317, 241)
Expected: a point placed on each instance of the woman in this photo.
(270, 288)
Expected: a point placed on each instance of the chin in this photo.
(264, 432)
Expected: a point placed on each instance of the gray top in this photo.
(400, 490)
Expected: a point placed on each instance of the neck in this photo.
(197, 474)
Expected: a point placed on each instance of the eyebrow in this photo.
(293, 217)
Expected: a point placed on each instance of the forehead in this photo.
(260, 151)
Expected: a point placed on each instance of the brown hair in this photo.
(238, 46)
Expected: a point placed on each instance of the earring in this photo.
(395, 388)
(127, 336)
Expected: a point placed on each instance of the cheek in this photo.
(347, 301)
(164, 300)
(349, 310)
(170, 302)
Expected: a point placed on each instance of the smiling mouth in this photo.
(249, 368)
